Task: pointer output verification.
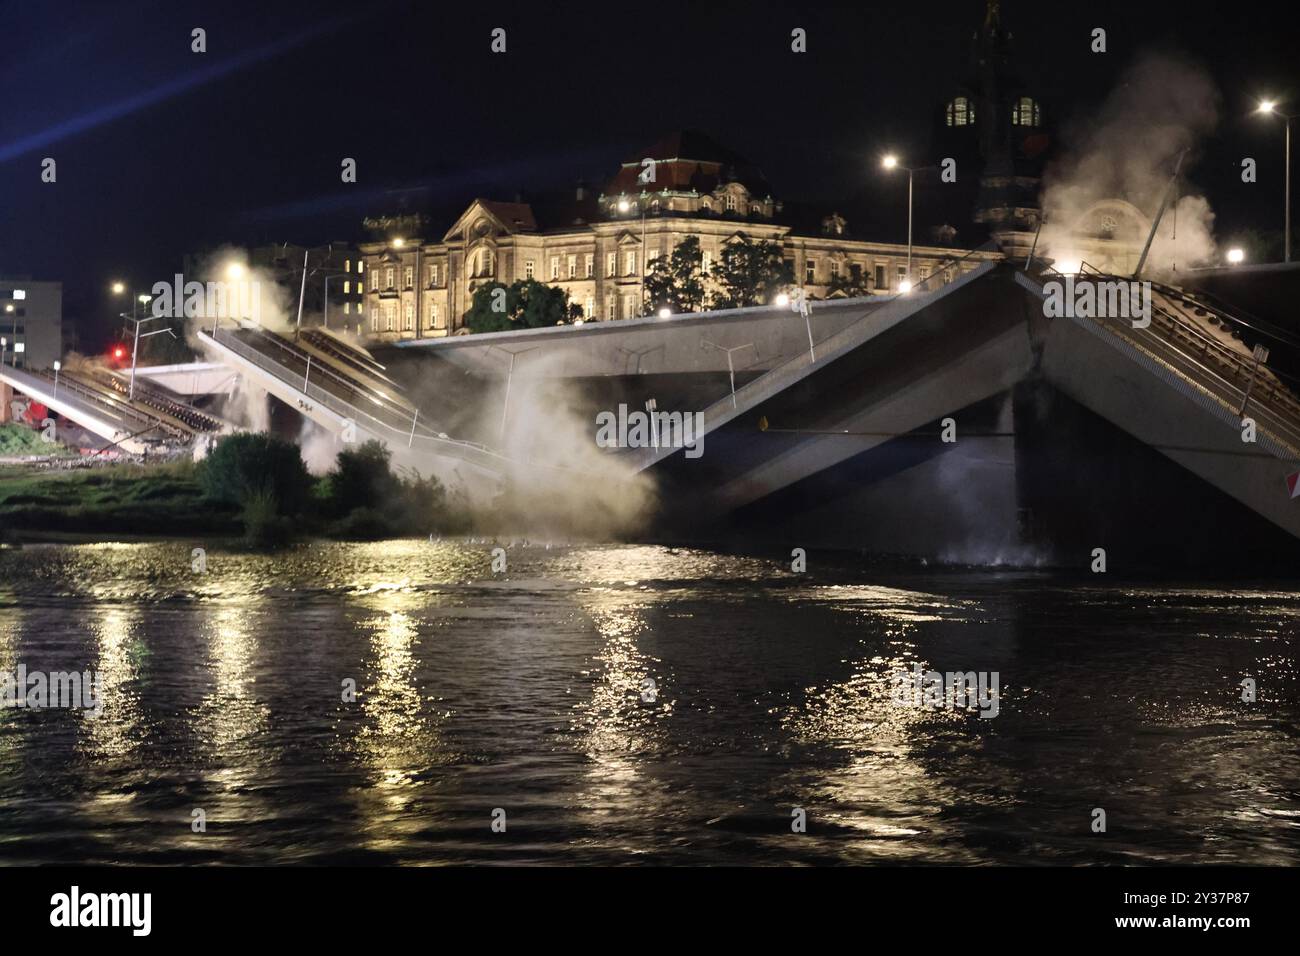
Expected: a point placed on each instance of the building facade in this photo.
(599, 247)
(31, 322)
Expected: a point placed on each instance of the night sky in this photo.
(162, 151)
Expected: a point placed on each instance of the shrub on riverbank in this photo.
(253, 464)
(367, 500)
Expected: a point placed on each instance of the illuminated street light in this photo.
(782, 300)
(1236, 256)
(665, 312)
(891, 162)
(1270, 107)
(399, 242)
(118, 288)
(235, 271)
(57, 365)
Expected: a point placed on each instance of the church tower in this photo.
(1011, 133)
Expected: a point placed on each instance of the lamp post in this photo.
(891, 162)
(57, 365)
(1268, 106)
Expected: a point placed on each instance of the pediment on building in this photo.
(1112, 219)
(628, 238)
(487, 218)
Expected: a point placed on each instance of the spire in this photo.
(992, 16)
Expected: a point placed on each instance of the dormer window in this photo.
(731, 202)
(1025, 113)
(961, 112)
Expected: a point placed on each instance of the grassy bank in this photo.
(127, 499)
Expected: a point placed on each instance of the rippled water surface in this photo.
(525, 691)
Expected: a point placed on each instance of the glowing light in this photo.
(889, 162)
(623, 205)
(57, 365)
(905, 286)
(1266, 106)
(665, 312)
(235, 271)
(1236, 255)
(119, 352)
(1069, 267)
(145, 298)
(399, 242)
(118, 288)
(782, 300)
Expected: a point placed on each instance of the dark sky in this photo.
(162, 151)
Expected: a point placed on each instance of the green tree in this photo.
(253, 466)
(526, 304)
(677, 281)
(749, 273)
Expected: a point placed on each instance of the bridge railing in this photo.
(406, 432)
(1217, 362)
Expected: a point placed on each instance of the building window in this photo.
(20, 294)
(650, 258)
(609, 307)
(961, 112)
(706, 262)
(629, 263)
(589, 307)
(361, 289)
(590, 265)
(530, 268)
(374, 318)
(611, 266)
(408, 277)
(810, 272)
(347, 265)
(433, 316)
(388, 277)
(555, 267)
(573, 267)
(835, 269)
(902, 273)
(408, 320)
(1025, 112)
(347, 308)
(880, 276)
(390, 315)
(755, 209)
(347, 286)
(629, 306)
(433, 276)
(361, 266)
(731, 203)
(706, 205)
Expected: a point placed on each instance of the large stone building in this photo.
(597, 247)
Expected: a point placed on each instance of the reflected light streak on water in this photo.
(525, 691)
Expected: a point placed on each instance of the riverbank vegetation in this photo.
(252, 484)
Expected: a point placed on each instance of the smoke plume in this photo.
(1162, 106)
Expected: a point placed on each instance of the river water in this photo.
(526, 692)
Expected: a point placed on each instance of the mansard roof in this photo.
(688, 160)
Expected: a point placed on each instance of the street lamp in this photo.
(891, 162)
(57, 365)
(1269, 106)
(1236, 256)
